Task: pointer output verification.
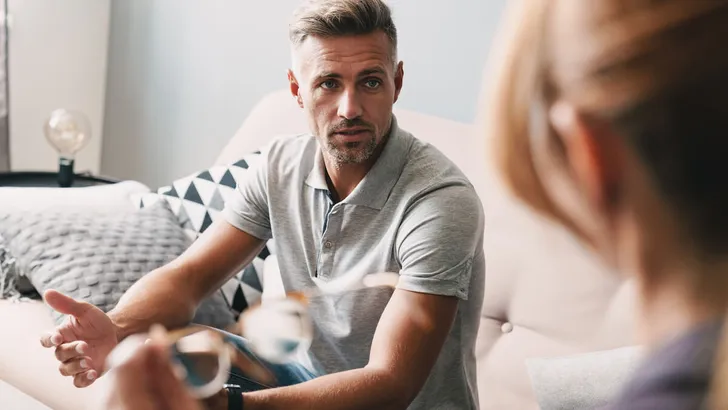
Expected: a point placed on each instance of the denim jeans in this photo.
(286, 374)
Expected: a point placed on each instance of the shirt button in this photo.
(507, 327)
(328, 244)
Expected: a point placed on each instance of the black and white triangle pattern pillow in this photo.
(197, 200)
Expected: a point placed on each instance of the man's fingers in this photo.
(85, 379)
(51, 339)
(64, 304)
(75, 366)
(73, 350)
(61, 334)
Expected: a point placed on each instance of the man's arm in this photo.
(170, 294)
(406, 345)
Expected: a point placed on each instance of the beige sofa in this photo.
(545, 296)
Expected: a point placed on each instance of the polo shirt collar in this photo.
(378, 183)
(317, 177)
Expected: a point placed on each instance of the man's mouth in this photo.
(354, 134)
(351, 131)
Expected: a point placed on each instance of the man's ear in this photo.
(294, 87)
(398, 80)
(594, 158)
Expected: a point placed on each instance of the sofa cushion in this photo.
(95, 255)
(197, 200)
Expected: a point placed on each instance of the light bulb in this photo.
(68, 131)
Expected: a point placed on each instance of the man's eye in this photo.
(328, 84)
(373, 84)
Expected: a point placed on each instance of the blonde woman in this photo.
(611, 117)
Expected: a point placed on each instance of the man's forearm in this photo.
(170, 294)
(365, 388)
(152, 299)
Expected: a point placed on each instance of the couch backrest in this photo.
(545, 295)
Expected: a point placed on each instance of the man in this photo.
(357, 195)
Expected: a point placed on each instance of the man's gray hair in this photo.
(334, 18)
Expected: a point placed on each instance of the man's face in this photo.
(347, 86)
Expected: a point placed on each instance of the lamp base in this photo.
(65, 172)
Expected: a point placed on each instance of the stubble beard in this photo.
(351, 152)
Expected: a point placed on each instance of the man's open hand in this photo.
(83, 341)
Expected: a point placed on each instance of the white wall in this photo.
(57, 59)
(183, 74)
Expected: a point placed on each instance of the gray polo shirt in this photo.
(414, 213)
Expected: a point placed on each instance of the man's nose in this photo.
(349, 105)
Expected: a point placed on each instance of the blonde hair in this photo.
(657, 72)
(334, 18)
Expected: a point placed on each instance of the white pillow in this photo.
(111, 196)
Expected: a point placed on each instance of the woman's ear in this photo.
(595, 162)
(592, 153)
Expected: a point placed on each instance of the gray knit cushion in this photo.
(96, 256)
(8, 275)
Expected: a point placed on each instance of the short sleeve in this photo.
(438, 239)
(247, 207)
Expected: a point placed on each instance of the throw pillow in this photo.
(23, 199)
(583, 381)
(197, 200)
(96, 255)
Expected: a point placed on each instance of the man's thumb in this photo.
(64, 304)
